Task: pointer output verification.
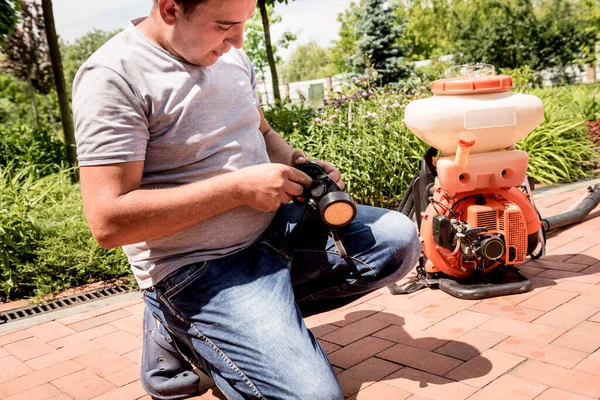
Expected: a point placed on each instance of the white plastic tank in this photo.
(474, 100)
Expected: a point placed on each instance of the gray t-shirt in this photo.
(134, 101)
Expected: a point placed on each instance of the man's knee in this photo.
(399, 246)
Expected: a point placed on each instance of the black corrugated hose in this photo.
(576, 215)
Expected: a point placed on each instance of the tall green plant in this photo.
(377, 47)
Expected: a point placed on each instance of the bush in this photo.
(361, 132)
(35, 149)
(560, 149)
(45, 244)
(287, 117)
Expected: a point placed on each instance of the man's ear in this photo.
(168, 11)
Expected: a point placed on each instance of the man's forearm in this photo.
(277, 148)
(146, 214)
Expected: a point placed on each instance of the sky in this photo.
(308, 19)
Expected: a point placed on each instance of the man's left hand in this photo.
(299, 158)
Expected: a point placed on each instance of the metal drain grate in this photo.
(63, 302)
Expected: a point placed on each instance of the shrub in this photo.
(45, 244)
(287, 117)
(560, 149)
(361, 132)
(35, 149)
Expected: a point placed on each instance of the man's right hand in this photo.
(264, 187)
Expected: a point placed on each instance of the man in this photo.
(179, 166)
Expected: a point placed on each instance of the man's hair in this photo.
(188, 6)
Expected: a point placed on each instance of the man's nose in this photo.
(236, 39)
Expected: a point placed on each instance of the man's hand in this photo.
(264, 187)
(299, 158)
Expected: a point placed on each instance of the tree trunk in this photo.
(265, 20)
(59, 81)
(36, 118)
(51, 114)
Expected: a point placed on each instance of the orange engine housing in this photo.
(507, 214)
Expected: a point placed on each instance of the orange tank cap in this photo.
(472, 85)
(466, 139)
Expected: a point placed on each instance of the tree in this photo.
(264, 13)
(75, 54)
(26, 54)
(346, 44)
(377, 47)
(308, 61)
(59, 81)
(427, 28)
(515, 34)
(255, 43)
(8, 18)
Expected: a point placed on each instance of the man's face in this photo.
(210, 30)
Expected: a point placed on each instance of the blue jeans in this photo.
(240, 318)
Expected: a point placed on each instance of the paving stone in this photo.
(350, 315)
(456, 325)
(428, 385)
(104, 362)
(558, 394)
(470, 344)
(397, 302)
(559, 265)
(13, 368)
(358, 351)
(561, 378)
(83, 385)
(50, 331)
(580, 277)
(565, 316)
(133, 325)
(354, 331)
(405, 318)
(42, 392)
(591, 364)
(547, 300)
(61, 355)
(365, 374)
(547, 353)
(525, 330)
(410, 336)
(446, 308)
(120, 342)
(510, 387)
(328, 347)
(40, 377)
(133, 390)
(83, 336)
(14, 337)
(430, 296)
(584, 337)
(420, 359)
(28, 348)
(584, 300)
(101, 319)
(135, 356)
(381, 391)
(507, 311)
(322, 330)
(581, 288)
(484, 368)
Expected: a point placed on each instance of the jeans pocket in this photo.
(181, 278)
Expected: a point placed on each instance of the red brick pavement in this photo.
(542, 345)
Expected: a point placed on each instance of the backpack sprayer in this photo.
(472, 199)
